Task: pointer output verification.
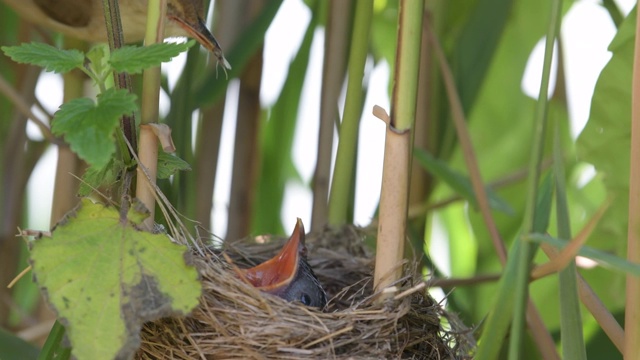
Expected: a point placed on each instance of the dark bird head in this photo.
(288, 275)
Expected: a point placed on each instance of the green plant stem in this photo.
(526, 250)
(148, 151)
(53, 348)
(333, 73)
(122, 80)
(345, 158)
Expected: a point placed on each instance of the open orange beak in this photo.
(280, 270)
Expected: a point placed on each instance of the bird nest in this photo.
(236, 321)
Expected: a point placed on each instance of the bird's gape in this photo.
(288, 275)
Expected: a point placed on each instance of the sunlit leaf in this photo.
(134, 59)
(105, 278)
(605, 141)
(45, 56)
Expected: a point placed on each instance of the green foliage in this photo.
(169, 164)
(135, 59)
(105, 278)
(89, 127)
(45, 56)
(606, 139)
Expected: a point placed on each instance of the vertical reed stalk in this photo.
(526, 250)
(148, 151)
(345, 158)
(395, 178)
(632, 311)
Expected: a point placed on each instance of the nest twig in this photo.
(237, 321)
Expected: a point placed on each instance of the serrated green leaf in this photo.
(135, 59)
(458, 182)
(88, 127)
(45, 56)
(169, 164)
(104, 279)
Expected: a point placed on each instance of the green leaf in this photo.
(605, 141)
(169, 164)
(13, 347)
(458, 182)
(89, 127)
(475, 48)
(104, 279)
(45, 56)
(135, 59)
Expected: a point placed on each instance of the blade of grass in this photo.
(632, 310)
(53, 347)
(570, 318)
(345, 157)
(497, 323)
(595, 306)
(526, 250)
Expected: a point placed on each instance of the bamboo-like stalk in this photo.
(632, 311)
(345, 159)
(246, 146)
(393, 205)
(333, 72)
(397, 159)
(148, 151)
(208, 136)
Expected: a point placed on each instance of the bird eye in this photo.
(305, 299)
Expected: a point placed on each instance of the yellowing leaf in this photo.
(105, 278)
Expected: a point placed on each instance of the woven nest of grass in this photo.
(236, 321)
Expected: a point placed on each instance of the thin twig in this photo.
(25, 109)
